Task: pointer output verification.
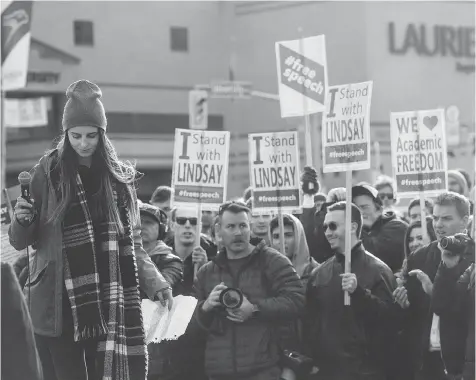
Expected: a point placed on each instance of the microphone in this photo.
(25, 178)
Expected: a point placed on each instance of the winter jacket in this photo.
(453, 301)
(20, 358)
(386, 240)
(186, 285)
(46, 279)
(169, 265)
(269, 281)
(349, 341)
(419, 315)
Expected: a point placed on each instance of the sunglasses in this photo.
(332, 226)
(384, 195)
(182, 220)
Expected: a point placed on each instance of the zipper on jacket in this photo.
(235, 282)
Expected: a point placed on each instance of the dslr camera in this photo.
(458, 244)
(300, 364)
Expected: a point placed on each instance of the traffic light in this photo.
(198, 109)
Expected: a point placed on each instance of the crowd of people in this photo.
(262, 313)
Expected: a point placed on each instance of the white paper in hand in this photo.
(161, 324)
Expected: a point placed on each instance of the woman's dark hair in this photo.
(108, 168)
(429, 228)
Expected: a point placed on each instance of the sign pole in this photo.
(423, 215)
(281, 231)
(348, 221)
(307, 124)
(4, 141)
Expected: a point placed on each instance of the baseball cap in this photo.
(366, 190)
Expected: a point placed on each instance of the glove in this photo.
(309, 182)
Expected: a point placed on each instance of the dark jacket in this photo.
(348, 341)
(386, 240)
(20, 359)
(453, 300)
(186, 285)
(417, 325)
(269, 281)
(46, 279)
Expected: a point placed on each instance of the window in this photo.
(83, 33)
(178, 39)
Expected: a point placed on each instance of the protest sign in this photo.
(200, 169)
(346, 128)
(274, 170)
(302, 75)
(419, 157)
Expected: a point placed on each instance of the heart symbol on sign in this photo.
(430, 122)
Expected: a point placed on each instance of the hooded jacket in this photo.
(349, 341)
(300, 258)
(386, 240)
(269, 281)
(46, 280)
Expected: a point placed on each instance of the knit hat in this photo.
(84, 107)
(458, 177)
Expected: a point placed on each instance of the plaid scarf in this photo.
(101, 280)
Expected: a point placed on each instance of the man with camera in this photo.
(432, 342)
(349, 342)
(243, 294)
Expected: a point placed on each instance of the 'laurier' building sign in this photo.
(439, 40)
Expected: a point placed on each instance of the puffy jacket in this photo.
(417, 325)
(453, 300)
(269, 281)
(349, 341)
(46, 279)
(386, 240)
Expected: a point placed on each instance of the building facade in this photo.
(146, 56)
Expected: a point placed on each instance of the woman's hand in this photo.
(23, 210)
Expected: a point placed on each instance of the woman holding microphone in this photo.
(89, 261)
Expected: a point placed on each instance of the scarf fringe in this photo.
(89, 332)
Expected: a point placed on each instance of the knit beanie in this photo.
(84, 107)
(456, 175)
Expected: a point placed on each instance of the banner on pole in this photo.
(16, 35)
(200, 169)
(346, 128)
(20, 113)
(274, 170)
(302, 75)
(419, 152)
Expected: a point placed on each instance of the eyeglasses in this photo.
(382, 196)
(227, 204)
(332, 226)
(182, 221)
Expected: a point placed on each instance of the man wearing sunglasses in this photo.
(383, 232)
(349, 342)
(184, 223)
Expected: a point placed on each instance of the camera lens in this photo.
(444, 242)
(231, 298)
